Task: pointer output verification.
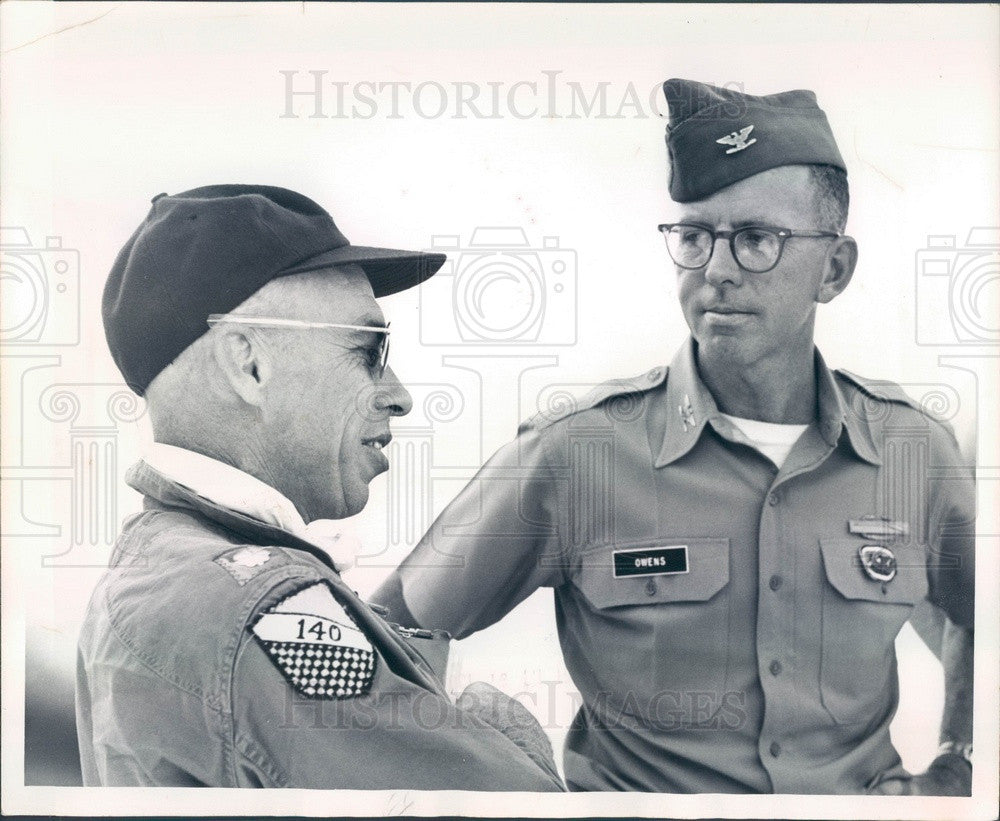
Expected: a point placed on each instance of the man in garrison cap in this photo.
(734, 541)
(222, 647)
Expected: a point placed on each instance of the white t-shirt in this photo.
(773, 440)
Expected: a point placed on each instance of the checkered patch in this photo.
(324, 672)
(316, 645)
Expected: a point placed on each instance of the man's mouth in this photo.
(377, 442)
(723, 309)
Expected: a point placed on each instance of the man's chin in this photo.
(730, 346)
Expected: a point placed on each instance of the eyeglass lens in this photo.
(755, 249)
(383, 356)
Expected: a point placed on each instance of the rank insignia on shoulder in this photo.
(879, 562)
(316, 645)
(244, 563)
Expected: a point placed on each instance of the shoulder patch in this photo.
(603, 392)
(316, 645)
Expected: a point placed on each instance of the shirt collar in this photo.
(690, 406)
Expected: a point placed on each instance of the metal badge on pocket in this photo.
(651, 561)
(879, 562)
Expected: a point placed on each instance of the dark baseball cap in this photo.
(206, 250)
(718, 136)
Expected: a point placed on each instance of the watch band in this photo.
(956, 748)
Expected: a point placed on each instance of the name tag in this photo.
(651, 561)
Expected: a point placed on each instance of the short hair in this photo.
(832, 196)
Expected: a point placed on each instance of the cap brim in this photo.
(388, 270)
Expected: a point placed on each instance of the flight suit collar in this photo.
(161, 488)
(690, 406)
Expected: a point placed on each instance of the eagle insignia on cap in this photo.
(879, 562)
(738, 140)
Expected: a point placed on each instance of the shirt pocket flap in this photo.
(847, 574)
(707, 572)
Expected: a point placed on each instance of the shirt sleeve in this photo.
(289, 729)
(951, 529)
(499, 540)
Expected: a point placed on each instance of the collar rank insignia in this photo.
(687, 413)
(738, 140)
(879, 562)
(316, 645)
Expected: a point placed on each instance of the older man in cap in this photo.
(735, 541)
(222, 647)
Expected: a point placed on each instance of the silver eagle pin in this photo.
(687, 413)
(738, 140)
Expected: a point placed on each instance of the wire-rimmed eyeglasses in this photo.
(382, 355)
(756, 249)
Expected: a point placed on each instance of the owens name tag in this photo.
(651, 561)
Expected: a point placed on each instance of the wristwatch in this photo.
(956, 748)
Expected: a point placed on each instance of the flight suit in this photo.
(730, 626)
(222, 651)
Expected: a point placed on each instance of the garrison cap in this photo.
(718, 136)
(207, 250)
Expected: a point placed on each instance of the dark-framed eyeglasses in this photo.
(756, 249)
(381, 355)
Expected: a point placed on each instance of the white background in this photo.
(106, 105)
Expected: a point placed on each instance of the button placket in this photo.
(773, 620)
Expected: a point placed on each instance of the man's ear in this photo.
(244, 363)
(841, 260)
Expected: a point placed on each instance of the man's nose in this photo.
(722, 267)
(392, 396)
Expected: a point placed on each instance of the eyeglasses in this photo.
(755, 249)
(380, 359)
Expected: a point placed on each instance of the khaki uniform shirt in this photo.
(221, 651)
(714, 612)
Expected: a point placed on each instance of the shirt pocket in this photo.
(667, 633)
(861, 619)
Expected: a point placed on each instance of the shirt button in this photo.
(650, 587)
(775, 749)
(776, 582)
(774, 498)
(775, 667)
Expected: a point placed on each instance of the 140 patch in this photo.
(316, 645)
